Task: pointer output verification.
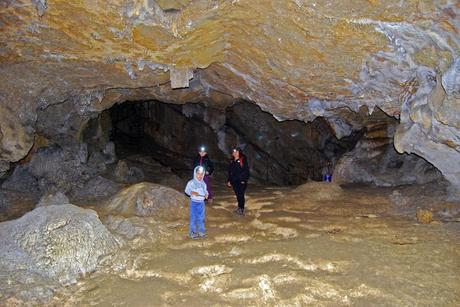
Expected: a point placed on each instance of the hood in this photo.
(194, 173)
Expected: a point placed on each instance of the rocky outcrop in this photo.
(52, 245)
(430, 123)
(295, 59)
(375, 160)
(147, 199)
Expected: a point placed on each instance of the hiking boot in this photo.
(194, 236)
(202, 235)
(239, 211)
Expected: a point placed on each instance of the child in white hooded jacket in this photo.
(196, 189)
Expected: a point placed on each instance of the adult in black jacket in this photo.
(238, 175)
(202, 159)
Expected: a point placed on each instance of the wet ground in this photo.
(316, 245)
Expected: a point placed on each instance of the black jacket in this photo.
(205, 162)
(238, 170)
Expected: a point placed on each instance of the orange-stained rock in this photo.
(424, 216)
(296, 59)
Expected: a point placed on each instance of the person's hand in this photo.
(207, 173)
(243, 182)
(229, 184)
(195, 193)
(206, 196)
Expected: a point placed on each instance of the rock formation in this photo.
(375, 160)
(52, 245)
(295, 59)
(147, 199)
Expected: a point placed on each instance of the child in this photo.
(196, 189)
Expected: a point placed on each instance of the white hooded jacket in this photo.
(198, 186)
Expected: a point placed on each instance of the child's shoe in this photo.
(194, 236)
(202, 235)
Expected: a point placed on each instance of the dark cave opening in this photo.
(282, 153)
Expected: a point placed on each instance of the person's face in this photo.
(202, 153)
(236, 154)
(199, 175)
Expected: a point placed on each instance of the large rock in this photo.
(148, 199)
(57, 242)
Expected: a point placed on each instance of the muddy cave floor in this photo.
(317, 244)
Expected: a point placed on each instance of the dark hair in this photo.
(236, 148)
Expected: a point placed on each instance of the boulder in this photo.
(57, 243)
(148, 199)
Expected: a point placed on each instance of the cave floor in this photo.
(316, 246)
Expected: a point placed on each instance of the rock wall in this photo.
(375, 160)
(430, 124)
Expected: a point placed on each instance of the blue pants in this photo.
(197, 214)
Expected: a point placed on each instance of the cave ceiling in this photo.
(296, 59)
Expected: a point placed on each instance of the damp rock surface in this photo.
(375, 160)
(49, 247)
(147, 199)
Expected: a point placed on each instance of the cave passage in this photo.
(281, 153)
(129, 164)
(348, 113)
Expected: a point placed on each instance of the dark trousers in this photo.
(239, 190)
